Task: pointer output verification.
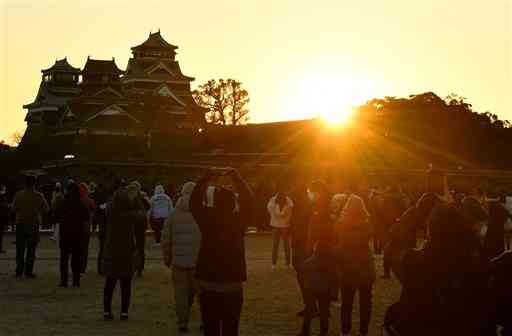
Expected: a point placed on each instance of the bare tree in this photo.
(225, 100)
(16, 137)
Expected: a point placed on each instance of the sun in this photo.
(337, 118)
(328, 96)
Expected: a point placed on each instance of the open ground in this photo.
(39, 307)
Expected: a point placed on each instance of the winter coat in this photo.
(320, 226)
(299, 230)
(402, 238)
(280, 217)
(30, 206)
(493, 241)
(440, 305)
(161, 204)
(320, 274)
(221, 256)
(181, 237)
(355, 259)
(119, 250)
(72, 214)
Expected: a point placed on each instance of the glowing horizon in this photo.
(296, 60)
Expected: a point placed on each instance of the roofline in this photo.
(127, 114)
(119, 71)
(75, 70)
(135, 79)
(140, 46)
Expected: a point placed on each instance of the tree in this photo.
(225, 100)
(16, 137)
(447, 130)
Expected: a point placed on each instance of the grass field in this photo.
(39, 307)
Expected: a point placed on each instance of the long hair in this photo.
(355, 211)
(281, 200)
(450, 238)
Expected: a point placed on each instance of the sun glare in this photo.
(337, 118)
(328, 96)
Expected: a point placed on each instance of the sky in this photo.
(297, 59)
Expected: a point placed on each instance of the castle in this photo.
(102, 112)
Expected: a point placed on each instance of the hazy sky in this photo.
(296, 58)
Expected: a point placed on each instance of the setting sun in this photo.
(326, 92)
(337, 118)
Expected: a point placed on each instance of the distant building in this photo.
(102, 112)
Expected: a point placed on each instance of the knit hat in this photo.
(188, 188)
(159, 189)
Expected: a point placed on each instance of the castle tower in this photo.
(154, 72)
(59, 84)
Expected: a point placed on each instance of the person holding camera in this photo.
(221, 266)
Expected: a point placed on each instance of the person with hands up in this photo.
(221, 266)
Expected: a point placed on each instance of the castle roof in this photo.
(140, 68)
(61, 65)
(93, 66)
(155, 41)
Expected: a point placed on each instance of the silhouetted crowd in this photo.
(450, 251)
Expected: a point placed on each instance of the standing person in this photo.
(181, 239)
(393, 205)
(91, 207)
(439, 306)
(160, 208)
(299, 227)
(338, 202)
(141, 226)
(120, 249)
(319, 267)
(221, 267)
(475, 213)
(280, 208)
(262, 217)
(29, 207)
(403, 235)
(57, 198)
(72, 214)
(4, 215)
(374, 207)
(495, 235)
(356, 264)
(319, 280)
(501, 278)
(100, 197)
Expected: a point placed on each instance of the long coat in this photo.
(119, 252)
(72, 214)
(355, 260)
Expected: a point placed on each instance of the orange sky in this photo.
(296, 58)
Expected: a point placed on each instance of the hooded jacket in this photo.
(280, 217)
(221, 257)
(161, 204)
(181, 238)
